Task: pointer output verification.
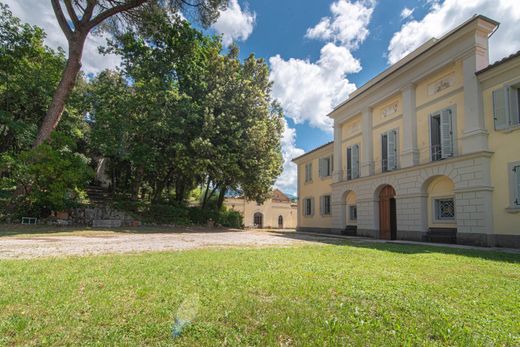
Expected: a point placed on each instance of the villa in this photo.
(428, 150)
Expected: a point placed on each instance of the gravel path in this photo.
(22, 247)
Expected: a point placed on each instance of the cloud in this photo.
(309, 91)
(40, 13)
(234, 24)
(348, 24)
(444, 16)
(286, 182)
(407, 12)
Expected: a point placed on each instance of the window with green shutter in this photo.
(506, 107)
(389, 150)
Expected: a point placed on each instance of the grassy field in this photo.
(352, 294)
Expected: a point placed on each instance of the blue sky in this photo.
(319, 51)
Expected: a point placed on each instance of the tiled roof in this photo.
(499, 62)
(312, 151)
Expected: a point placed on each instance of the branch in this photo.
(62, 21)
(72, 13)
(87, 13)
(113, 11)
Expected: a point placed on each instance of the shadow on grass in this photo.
(495, 254)
(17, 229)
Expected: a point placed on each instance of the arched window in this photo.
(280, 222)
(258, 220)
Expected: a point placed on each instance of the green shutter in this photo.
(355, 161)
(392, 150)
(501, 108)
(446, 134)
(516, 175)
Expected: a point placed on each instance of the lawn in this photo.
(351, 294)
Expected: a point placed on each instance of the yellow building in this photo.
(278, 212)
(426, 150)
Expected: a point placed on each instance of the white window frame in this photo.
(323, 210)
(328, 167)
(511, 106)
(396, 150)
(453, 110)
(310, 201)
(308, 172)
(353, 173)
(435, 215)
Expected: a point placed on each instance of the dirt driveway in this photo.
(99, 242)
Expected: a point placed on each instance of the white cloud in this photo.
(40, 13)
(286, 182)
(450, 13)
(407, 12)
(309, 91)
(234, 23)
(348, 24)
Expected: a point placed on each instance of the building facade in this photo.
(427, 150)
(278, 212)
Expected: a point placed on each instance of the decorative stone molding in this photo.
(441, 84)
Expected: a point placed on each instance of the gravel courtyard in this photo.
(101, 242)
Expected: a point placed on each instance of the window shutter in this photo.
(320, 167)
(446, 134)
(312, 206)
(355, 161)
(435, 136)
(516, 175)
(514, 111)
(384, 152)
(322, 205)
(331, 164)
(310, 172)
(501, 108)
(349, 163)
(392, 150)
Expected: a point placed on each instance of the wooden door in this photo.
(387, 220)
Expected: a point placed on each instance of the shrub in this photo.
(231, 219)
(50, 177)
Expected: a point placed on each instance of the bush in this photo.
(231, 219)
(50, 177)
(167, 214)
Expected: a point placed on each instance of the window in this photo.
(326, 166)
(444, 209)
(307, 207)
(325, 205)
(352, 162)
(514, 180)
(258, 220)
(308, 172)
(352, 213)
(441, 134)
(280, 222)
(389, 150)
(506, 107)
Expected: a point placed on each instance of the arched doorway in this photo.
(387, 214)
(280, 222)
(258, 220)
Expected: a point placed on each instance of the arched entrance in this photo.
(280, 222)
(387, 214)
(258, 220)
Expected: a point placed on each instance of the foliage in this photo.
(189, 117)
(358, 294)
(28, 72)
(52, 175)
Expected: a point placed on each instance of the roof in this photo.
(409, 58)
(499, 62)
(314, 150)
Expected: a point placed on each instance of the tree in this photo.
(78, 18)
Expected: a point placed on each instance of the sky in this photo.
(319, 51)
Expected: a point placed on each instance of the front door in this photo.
(387, 214)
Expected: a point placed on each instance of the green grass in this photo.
(352, 294)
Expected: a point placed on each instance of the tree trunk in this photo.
(221, 196)
(68, 79)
